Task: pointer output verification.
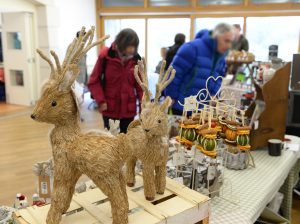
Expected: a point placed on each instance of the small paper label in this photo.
(190, 103)
(44, 187)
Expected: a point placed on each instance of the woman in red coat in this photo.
(117, 94)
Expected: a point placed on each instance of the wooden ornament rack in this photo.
(272, 121)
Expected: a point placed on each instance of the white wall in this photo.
(17, 5)
(73, 14)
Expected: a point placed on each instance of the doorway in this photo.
(19, 77)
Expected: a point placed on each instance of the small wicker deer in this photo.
(154, 122)
(100, 157)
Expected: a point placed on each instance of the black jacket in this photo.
(171, 53)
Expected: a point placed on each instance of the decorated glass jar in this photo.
(243, 138)
(190, 134)
(231, 131)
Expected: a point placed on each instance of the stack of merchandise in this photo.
(213, 133)
(240, 57)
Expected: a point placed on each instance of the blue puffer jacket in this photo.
(194, 62)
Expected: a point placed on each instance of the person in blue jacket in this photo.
(196, 61)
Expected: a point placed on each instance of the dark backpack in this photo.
(102, 76)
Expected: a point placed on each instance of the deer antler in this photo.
(76, 50)
(142, 80)
(165, 78)
(47, 60)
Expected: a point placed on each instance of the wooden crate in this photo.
(179, 205)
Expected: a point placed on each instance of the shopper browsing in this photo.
(179, 40)
(196, 61)
(240, 42)
(163, 53)
(117, 92)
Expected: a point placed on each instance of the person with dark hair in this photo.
(172, 50)
(240, 42)
(163, 53)
(112, 83)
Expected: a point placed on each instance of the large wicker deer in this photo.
(154, 122)
(98, 156)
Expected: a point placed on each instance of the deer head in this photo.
(154, 119)
(57, 103)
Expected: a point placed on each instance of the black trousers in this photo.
(124, 122)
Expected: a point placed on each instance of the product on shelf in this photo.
(240, 57)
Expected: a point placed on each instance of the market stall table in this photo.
(255, 187)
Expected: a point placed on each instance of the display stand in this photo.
(272, 121)
(177, 205)
(203, 131)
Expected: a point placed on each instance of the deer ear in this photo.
(69, 78)
(166, 104)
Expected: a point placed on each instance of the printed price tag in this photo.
(44, 187)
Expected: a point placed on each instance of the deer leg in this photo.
(149, 181)
(65, 179)
(130, 171)
(160, 179)
(115, 189)
(119, 204)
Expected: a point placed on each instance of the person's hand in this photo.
(103, 107)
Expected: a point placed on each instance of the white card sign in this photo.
(190, 103)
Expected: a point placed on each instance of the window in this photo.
(210, 23)
(114, 3)
(16, 77)
(114, 26)
(221, 2)
(161, 33)
(274, 1)
(14, 40)
(169, 2)
(265, 31)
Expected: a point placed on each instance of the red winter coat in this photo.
(121, 90)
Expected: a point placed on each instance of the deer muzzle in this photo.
(33, 116)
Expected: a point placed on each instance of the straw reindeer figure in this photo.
(154, 122)
(98, 156)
